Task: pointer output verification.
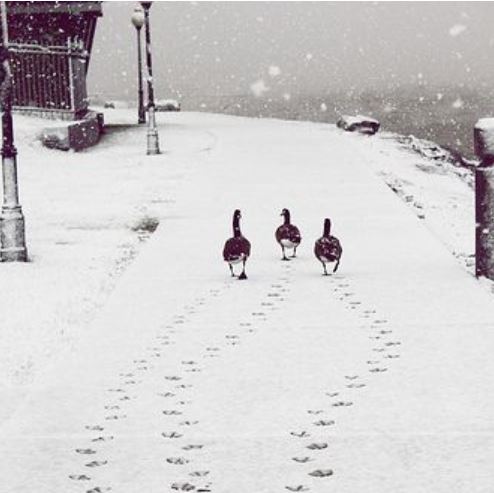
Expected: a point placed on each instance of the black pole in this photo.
(149, 61)
(153, 146)
(141, 111)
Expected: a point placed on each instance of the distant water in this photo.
(444, 116)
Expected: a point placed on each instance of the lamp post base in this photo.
(153, 142)
(152, 135)
(12, 235)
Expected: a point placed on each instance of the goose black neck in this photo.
(327, 227)
(236, 227)
(287, 217)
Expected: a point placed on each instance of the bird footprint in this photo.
(342, 404)
(79, 477)
(192, 447)
(317, 446)
(94, 428)
(102, 439)
(97, 463)
(321, 473)
(180, 461)
(171, 434)
(301, 460)
(324, 422)
(85, 451)
(355, 385)
(301, 434)
(166, 394)
(300, 487)
(183, 487)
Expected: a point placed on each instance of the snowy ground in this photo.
(376, 379)
(438, 192)
(87, 215)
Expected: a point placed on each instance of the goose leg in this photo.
(243, 275)
(336, 265)
(324, 267)
(294, 252)
(284, 255)
(231, 270)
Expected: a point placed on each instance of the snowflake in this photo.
(258, 88)
(457, 29)
(274, 71)
(457, 104)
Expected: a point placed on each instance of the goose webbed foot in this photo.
(243, 275)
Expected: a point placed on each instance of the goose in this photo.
(288, 235)
(237, 248)
(328, 248)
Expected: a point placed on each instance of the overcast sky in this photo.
(277, 48)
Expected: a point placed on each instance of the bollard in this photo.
(483, 134)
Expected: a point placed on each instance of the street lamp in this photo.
(12, 232)
(138, 21)
(152, 134)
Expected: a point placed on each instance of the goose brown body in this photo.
(328, 248)
(237, 248)
(288, 235)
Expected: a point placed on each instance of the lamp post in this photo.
(153, 145)
(138, 21)
(12, 232)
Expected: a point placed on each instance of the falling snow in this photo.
(457, 29)
(274, 71)
(258, 88)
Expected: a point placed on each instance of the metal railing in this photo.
(49, 78)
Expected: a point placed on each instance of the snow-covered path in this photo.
(377, 379)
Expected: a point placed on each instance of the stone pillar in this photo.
(484, 198)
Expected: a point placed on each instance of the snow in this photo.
(458, 103)
(351, 120)
(457, 29)
(274, 71)
(83, 215)
(258, 88)
(380, 375)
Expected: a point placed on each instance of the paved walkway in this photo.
(377, 379)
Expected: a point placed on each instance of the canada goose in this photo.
(237, 248)
(288, 235)
(328, 248)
